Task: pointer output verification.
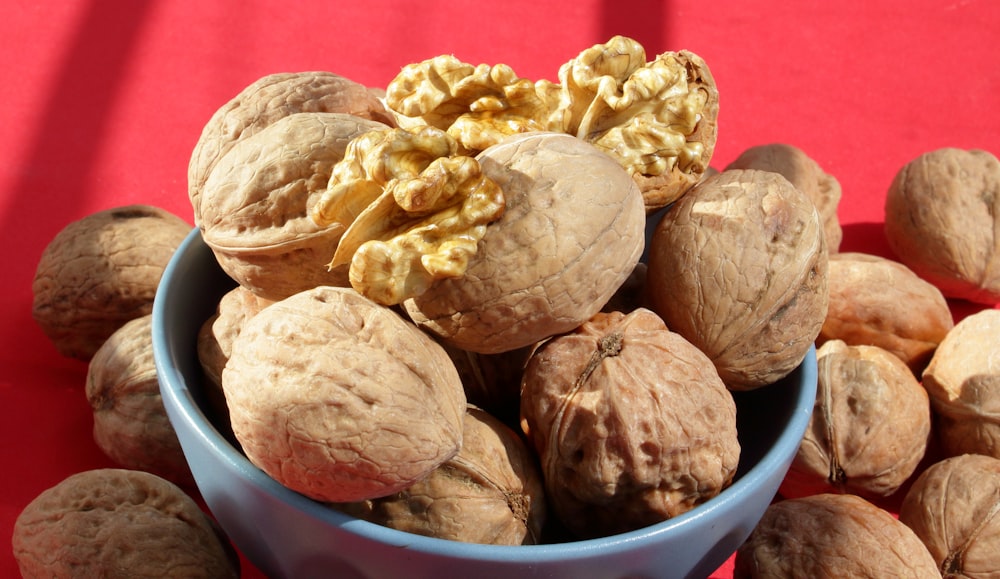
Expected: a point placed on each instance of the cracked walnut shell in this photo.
(341, 399)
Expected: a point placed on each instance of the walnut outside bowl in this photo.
(288, 535)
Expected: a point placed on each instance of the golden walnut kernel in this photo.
(254, 206)
(876, 301)
(130, 422)
(963, 380)
(340, 398)
(269, 99)
(831, 535)
(489, 493)
(738, 266)
(954, 507)
(413, 208)
(101, 271)
(631, 422)
(119, 523)
(942, 212)
(806, 174)
(869, 426)
(572, 231)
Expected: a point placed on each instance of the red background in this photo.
(102, 103)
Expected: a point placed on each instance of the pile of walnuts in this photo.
(496, 310)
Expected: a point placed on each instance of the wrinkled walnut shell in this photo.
(631, 422)
(954, 507)
(869, 426)
(738, 266)
(119, 523)
(963, 381)
(572, 231)
(831, 535)
(101, 271)
(341, 399)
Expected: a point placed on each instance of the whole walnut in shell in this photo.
(571, 233)
(880, 302)
(215, 338)
(963, 381)
(806, 175)
(101, 271)
(490, 492)
(942, 211)
(631, 422)
(340, 398)
(253, 208)
(119, 523)
(130, 422)
(954, 507)
(869, 427)
(738, 266)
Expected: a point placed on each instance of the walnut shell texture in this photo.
(571, 234)
(832, 535)
(942, 212)
(119, 523)
(631, 422)
(869, 428)
(963, 381)
(101, 271)
(738, 266)
(954, 507)
(342, 399)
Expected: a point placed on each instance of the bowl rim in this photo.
(176, 393)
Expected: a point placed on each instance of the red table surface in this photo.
(103, 102)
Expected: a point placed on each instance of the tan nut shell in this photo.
(954, 507)
(269, 99)
(254, 205)
(963, 380)
(738, 266)
(341, 399)
(572, 232)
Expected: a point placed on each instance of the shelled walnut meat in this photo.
(340, 398)
(489, 493)
(119, 523)
(570, 235)
(877, 301)
(942, 212)
(101, 271)
(954, 507)
(832, 535)
(130, 422)
(738, 266)
(869, 428)
(631, 422)
(963, 381)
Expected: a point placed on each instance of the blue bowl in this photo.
(288, 535)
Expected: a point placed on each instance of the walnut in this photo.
(119, 523)
(571, 233)
(340, 398)
(254, 207)
(631, 422)
(215, 338)
(869, 427)
(492, 381)
(954, 507)
(490, 492)
(268, 100)
(101, 271)
(942, 211)
(738, 266)
(880, 302)
(414, 211)
(963, 381)
(130, 422)
(831, 535)
(806, 174)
